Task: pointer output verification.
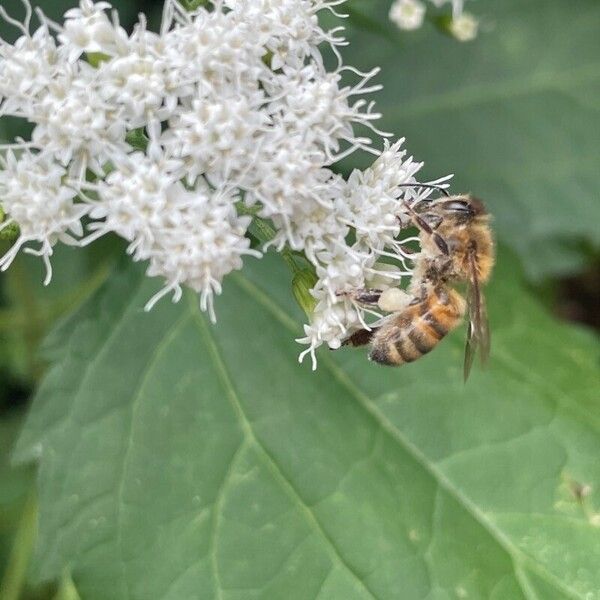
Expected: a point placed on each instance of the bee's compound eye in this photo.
(458, 206)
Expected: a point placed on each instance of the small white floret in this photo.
(408, 14)
(464, 27)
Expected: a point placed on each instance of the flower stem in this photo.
(67, 590)
(14, 581)
(35, 324)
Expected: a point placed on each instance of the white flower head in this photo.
(214, 52)
(408, 14)
(138, 79)
(35, 198)
(26, 69)
(316, 106)
(75, 125)
(464, 27)
(88, 29)
(133, 201)
(202, 240)
(175, 140)
(217, 137)
(289, 29)
(331, 322)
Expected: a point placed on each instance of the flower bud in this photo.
(464, 27)
(302, 284)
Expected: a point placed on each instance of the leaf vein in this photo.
(270, 461)
(217, 510)
(395, 434)
(134, 407)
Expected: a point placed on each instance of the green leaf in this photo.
(184, 460)
(28, 308)
(512, 114)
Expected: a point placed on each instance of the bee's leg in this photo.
(364, 296)
(424, 226)
(367, 296)
(360, 338)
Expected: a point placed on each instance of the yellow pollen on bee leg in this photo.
(393, 300)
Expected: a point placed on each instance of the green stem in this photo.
(67, 590)
(267, 233)
(13, 581)
(34, 325)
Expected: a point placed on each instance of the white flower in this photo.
(134, 201)
(217, 137)
(330, 324)
(190, 237)
(315, 106)
(136, 80)
(289, 28)
(464, 27)
(201, 240)
(408, 14)
(26, 69)
(373, 201)
(35, 198)
(288, 175)
(215, 52)
(232, 111)
(75, 125)
(88, 29)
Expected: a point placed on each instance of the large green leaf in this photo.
(513, 114)
(181, 460)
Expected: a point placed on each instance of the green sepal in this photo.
(97, 58)
(10, 232)
(137, 139)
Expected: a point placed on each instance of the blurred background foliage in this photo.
(514, 114)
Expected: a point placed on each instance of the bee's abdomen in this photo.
(417, 331)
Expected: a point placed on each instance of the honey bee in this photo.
(456, 247)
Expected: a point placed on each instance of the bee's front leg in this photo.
(366, 296)
(390, 300)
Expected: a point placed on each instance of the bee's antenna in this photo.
(430, 186)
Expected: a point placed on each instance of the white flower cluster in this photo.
(241, 120)
(410, 14)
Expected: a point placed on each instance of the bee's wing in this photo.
(470, 349)
(485, 337)
(478, 331)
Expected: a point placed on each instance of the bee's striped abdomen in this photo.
(417, 330)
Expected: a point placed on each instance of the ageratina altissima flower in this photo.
(410, 14)
(240, 120)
